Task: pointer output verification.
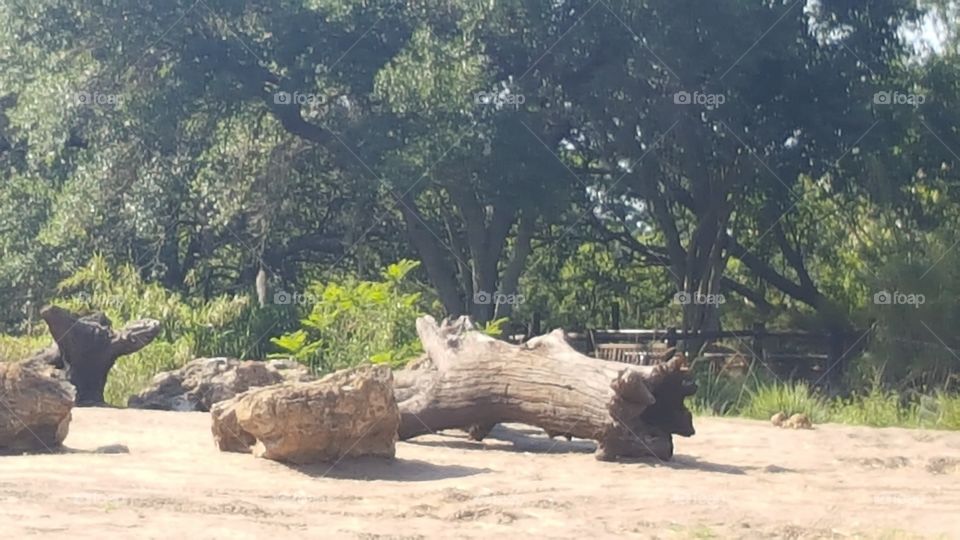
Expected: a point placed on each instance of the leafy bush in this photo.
(356, 321)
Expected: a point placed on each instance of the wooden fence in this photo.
(786, 354)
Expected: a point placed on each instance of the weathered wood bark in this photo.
(348, 413)
(87, 347)
(472, 381)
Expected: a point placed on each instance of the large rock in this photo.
(347, 413)
(205, 381)
(34, 409)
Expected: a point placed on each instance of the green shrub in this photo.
(356, 321)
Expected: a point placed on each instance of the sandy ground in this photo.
(734, 479)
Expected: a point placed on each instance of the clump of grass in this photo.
(760, 398)
(134, 372)
(877, 408)
(717, 394)
(948, 410)
(763, 400)
(14, 348)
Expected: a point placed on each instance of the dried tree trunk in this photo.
(87, 347)
(471, 381)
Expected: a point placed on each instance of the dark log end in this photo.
(87, 347)
(669, 412)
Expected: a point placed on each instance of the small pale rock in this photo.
(798, 421)
(34, 409)
(345, 414)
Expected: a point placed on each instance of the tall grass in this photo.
(767, 399)
(878, 408)
(717, 394)
(13, 348)
(948, 410)
(223, 326)
(760, 398)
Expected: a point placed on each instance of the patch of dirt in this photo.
(893, 462)
(734, 479)
(944, 465)
(485, 512)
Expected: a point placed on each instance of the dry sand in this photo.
(734, 479)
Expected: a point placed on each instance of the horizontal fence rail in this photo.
(783, 353)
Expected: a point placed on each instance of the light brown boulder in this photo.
(348, 413)
(34, 409)
(205, 381)
(798, 421)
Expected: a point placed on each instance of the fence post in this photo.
(759, 330)
(615, 315)
(835, 358)
(671, 337)
(534, 329)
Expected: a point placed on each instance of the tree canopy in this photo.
(791, 158)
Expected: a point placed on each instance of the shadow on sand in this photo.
(58, 450)
(395, 470)
(510, 439)
(534, 440)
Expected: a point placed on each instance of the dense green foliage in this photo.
(553, 159)
(357, 321)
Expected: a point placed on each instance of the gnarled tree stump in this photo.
(472, 381)
(87, 347)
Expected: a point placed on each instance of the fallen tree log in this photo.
(471, 381)
(86, 348)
